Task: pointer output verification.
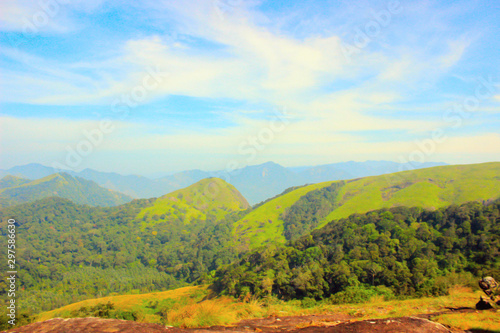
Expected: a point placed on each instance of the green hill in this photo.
(11, 181)
(210, 198)
(61, 185)
(186, 235)
(96, 251)
(391, 251)
(294, 213)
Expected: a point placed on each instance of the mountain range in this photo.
(188, 234)
(300, 210)
(256, 183)
(15, 190)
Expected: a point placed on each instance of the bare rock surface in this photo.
(336, 323)
(391, 325)
(89, 325)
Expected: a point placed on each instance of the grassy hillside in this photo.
(209, 198)
(183, 307)
(188, 307)
(264, 224)
(11, 181)
(404, 251)
(123, 302)
(429, 188)
(73, 252)
(61, 185)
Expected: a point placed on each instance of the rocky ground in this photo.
(333, 323)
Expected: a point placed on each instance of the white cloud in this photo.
(416, 65)
(248, 59)
(456, 51)
(255, 62)
(297, 143)
(487, 143)
(28, 135)
(33, 16)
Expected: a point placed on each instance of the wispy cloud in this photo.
(236, 51)
(55, 16)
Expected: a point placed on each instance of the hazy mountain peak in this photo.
(62, 185)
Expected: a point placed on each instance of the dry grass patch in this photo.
(219, 311)
(484, 320)
(123, 302)
(193, 307)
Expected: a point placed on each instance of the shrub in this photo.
(361, 294)
(308, 302)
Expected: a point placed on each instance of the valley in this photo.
(310, 250)
(249, 166)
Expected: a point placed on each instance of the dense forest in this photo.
(70, 252)
(306, 214)
(401, 251)
(15, 190)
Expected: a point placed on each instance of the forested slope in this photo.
(68, 252)
(411, 251)
(295, 213)
(61, 185)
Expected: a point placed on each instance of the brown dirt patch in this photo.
(390, 325)
(88, 325)
(333, 323)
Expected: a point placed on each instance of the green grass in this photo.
(208, 196)
(194, 307)
(140, 303)
(63, 185)
(429, 188)
(264, 224)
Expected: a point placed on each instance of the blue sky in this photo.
(162, 86)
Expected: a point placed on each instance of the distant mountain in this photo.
(257, 182)
(30, 171)
(324, 173)
(260, 182)
(132, 185)
(182, 179)
(303, 209)
(61, 185)
(11, 181)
